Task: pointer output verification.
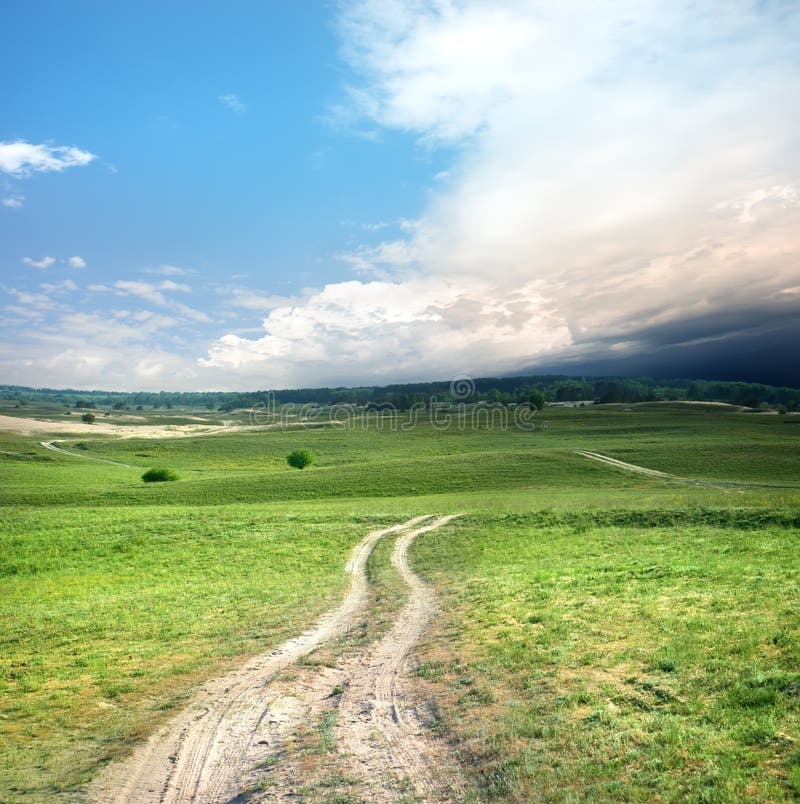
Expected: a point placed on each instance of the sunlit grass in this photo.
(601, 663)
(107, 615)
(118, 595)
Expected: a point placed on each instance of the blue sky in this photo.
(250, 195)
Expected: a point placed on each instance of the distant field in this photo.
(638, 635)
(695, 442)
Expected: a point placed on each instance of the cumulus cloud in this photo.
(13, 201)
(378, 329)
(22, 158)
(622, 172)
(44, 262)
(76, 262)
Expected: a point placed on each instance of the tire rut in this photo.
(378, 725)
(655, 473)
(51, 445)
(201, 754)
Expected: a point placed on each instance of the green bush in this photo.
(88, 418)
(158, 475)
(300, 458)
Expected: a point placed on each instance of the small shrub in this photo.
(88, 418)
(300, 458)
(158, 475)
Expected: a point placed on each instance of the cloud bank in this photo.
(623, 173)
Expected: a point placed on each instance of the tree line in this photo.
(505, 390)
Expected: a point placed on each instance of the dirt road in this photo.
(238, 724)
(53, 447)
(688, 481)
(628, 467)
(377, 724)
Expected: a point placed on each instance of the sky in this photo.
(238, 196)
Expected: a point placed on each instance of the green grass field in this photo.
(587, 661)
(605, 636)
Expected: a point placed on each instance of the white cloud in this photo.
(22, 158)
(375, 260)
(75, 361)
(26, 313)
(44, 262)
(13, 201)
(180, 287)
(250, 300)
(67, 284)
(596, 149)
(39, 301)
(170, 270)
(379, 330)
(144, 290)
(190, 312)
(149, 291)
(109, 330)
(615, 170)
(233, 102)
(762, 202)
(155, 294)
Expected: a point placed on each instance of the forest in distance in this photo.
(402, 396)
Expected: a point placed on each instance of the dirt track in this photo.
(377, 724)
(688, 481)
(628, 467)
(51, 445)
(212, 751)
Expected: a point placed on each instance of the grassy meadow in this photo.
(603, 636)
(587, 661)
